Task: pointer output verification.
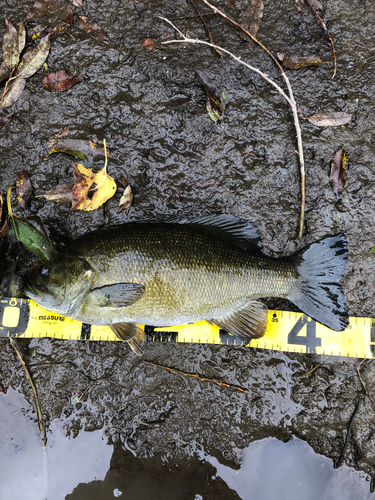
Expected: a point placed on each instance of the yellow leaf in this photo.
(91, 189)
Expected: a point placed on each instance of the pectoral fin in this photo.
(250, 320)
(118, 294)
(131, 333)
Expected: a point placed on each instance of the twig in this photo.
(362, 382)
(342, 456)
(247, 154)
(308, 373)
(13, 343)
(293, 106)
(206, 26)
(290, 100)
(195, 375)
(329, 36)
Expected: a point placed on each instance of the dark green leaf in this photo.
(32, 239)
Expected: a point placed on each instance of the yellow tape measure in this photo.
(286, 331)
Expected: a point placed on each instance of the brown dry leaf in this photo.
(59, 194)
(4, 119)
(339, 171)
(13, 92)
(330, 119)
(253, 17)
(91, 189)
(4, 72)
(79, 4)
(60, 81)
(68, 18)
(91, 27)
(127, 194)
(2, 391)
(294, 62)
(148, 44)
(23, 189)
(83, 150)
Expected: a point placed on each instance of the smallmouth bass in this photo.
(185, 270)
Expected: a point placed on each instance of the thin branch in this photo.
(290, 100)
(195, 375)
(13, 343)
(293, 106)
(329, 36)
(348, 432)
(206, 26)
(312, 370)
(238, 59)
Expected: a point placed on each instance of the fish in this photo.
(188, 269)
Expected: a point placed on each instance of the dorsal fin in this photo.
(238, 231)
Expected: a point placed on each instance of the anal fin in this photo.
(130, 333)
(250, 320)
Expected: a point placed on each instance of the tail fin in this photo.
(318, 293)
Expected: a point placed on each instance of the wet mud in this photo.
(150, 107)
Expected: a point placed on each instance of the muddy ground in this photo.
(150, 107)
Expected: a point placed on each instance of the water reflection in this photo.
(86, 468)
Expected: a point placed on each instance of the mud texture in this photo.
(150, 107)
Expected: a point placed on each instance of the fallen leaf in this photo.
(68, 18)
(148, 44)
(40, 9)
(315, 3)
(84, 150)
(4, 226)
(215, 101)
(78, 3)
(252, 19)
(91, 189)
(4, 119)
(23, 189)
(60, 81)
(339, 171)
(127, 195)
(59, 194)
(13, 92)
(330, 119)
(11, 53)
(2, 391)
(4, 72)
(294, 62)
(34, 58)
(29, 232)
(91, 27)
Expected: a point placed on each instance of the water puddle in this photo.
(86, 468)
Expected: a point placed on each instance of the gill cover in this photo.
(61, 284)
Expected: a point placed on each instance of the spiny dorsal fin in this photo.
(239, 231)
(250, 320)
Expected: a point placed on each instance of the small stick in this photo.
(362, 382)
(206, 26)
(13, 343)
(329, 36)
(195, 375)
(338, 462)
(308, 373)
(247, 154)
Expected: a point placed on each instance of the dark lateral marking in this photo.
(86, 331)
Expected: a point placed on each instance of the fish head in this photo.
(61, 284)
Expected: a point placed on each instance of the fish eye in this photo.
(43, 271)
